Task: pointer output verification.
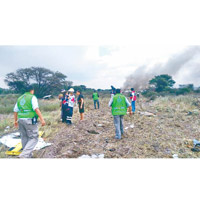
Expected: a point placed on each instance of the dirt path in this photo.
(158, 136)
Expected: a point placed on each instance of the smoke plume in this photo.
(183, 67)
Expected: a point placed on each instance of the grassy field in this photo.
(171, 129)
(7, 103)
(50, 110)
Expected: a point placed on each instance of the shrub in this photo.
(150, 94)
(183, 91)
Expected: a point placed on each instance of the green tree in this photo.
(162, 82)
(44, 80)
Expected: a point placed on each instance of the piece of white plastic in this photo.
(175, 156)
(94, 156)
(12, 139)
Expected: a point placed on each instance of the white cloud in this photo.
(2, 83)
(94, 66)
(122, 61)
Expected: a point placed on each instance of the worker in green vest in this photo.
(119, 104)
(95, 97)
(26, 112)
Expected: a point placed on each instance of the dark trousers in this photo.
(96, 102)
(64, 114)
(69, 115)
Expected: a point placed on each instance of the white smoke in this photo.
(184, 67)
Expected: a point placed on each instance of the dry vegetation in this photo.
(170, 131)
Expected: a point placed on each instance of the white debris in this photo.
(84, 156)
(41, 144)
(147, 113)
(17, 134)
(94, 156)
(12, 139)
(126, 128)
(100, 125)
(132, 126)
(175, 156)
(101, 155)
(7, 128)
(47, 97)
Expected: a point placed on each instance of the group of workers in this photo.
(68, 100)
(26, 113)
(67, 105)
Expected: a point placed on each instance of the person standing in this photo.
(133, 98)
(113, 91)
(95, 97)
(80, 101)
(70, 106)
(64, 106)
(26, 112)
(119, 104)
(60, 97)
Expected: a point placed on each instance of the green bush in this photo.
(150, 94)
(183, 91)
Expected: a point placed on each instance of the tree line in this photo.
(162, 85)
(45, 82)
(48, 82)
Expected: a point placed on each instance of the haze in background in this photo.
(102, 66)
(184, 67)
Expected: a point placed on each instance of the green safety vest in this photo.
(95, 96)
(119, 106)
(24, 104)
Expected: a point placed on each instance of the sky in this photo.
(96, 66)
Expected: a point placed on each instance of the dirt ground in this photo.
(169, 129)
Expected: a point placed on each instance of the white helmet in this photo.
(71, 90)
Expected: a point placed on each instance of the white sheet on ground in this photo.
(12, 139)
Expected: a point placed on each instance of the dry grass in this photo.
(170, 131)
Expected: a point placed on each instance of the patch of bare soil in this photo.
(159, 133)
